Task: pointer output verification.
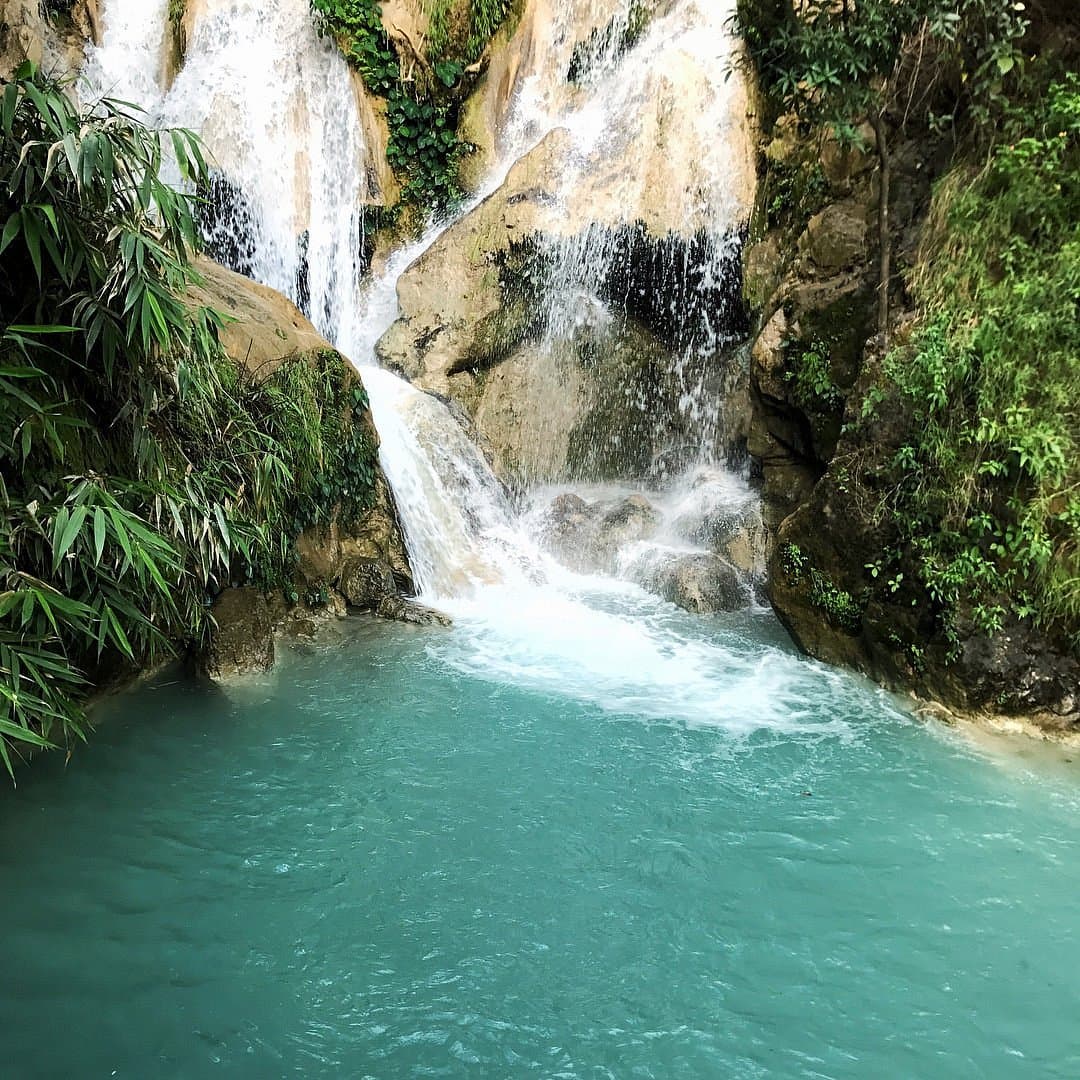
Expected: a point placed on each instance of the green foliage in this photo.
(811, 379)
(424, 149)
(484, 18)
(837, 63)
(422, 110)
(839, 607)
(177, 10)
(793, 562)
(141, 470)
(988, 488)
(794, 191)
(357, 27)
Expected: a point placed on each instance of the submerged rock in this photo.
(400, 609)
(369, 585)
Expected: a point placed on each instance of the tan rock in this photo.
(843, 163)
(56, 46)
(767, 356)
(262, 327)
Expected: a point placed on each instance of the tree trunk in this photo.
(884, 234)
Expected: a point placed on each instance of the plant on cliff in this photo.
(840, 63)
(422, 86)
(140, 470)
(988, 486)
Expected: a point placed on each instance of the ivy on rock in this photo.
(423, 91)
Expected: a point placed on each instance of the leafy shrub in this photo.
(989, 494)
(141, 470)
(811, 379)
(422, 112)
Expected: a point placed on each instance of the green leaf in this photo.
(70, 533)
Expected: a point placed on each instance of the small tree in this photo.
(836, 62)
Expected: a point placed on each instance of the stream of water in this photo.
(581, 834)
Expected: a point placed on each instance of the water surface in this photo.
(413, 853)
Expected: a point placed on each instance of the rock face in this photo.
(263, 330)
(262, 327)
(533, 311)
(55, 45)
(811, 276)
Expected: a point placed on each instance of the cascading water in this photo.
(275, 106)
(276, 109)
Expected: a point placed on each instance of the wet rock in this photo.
(736, 535)
(366, 581)
(368, 584)
(400, 609)
(243, 637)
(588, 537)
(700, 583)
(767, 356)
(762, 264)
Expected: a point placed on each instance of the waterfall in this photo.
(277, 109)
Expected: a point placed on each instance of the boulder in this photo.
(843, 163)
(364, 582)
(262, 327)
(588, 537)
(368, 584)
(836, 237)
(701, 583)
(769, 365)
(400, 609)
(243, 637)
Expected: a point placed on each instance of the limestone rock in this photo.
(262, 327)
(767, 355)
(700, 583)
(843, 163)
(836, 237)
(56, 46)
(400, 609)
(368, 584)
(364, 582)
(762, 264)
(243, 637)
